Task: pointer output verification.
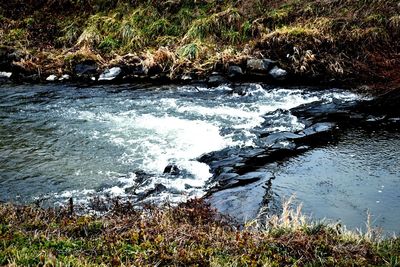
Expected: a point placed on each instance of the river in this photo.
(62, 141)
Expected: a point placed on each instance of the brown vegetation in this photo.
(351, 41)
(190, 234)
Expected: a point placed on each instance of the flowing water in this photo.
(62, 141)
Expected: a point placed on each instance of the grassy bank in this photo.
(190, 234)
(348, 40)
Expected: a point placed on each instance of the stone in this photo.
(5, 74)
(110, 74)
(278, 73)
(64, 77)
(186, 77)
(51, 78)
(319, 128)
(274, 138)
(234, 71)
(172, 169)
(158, 188)
(216, 79)
(260, 65)
(241, 91)
(88, 67)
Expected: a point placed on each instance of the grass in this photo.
(189, 234)
(346, 36)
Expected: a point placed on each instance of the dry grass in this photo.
(190, 234)
(321, 39)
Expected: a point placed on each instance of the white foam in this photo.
(152, 132)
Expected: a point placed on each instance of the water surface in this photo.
(63, 141)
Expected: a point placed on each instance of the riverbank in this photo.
(348, 43)
(189, 234)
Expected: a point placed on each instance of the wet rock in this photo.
(158, 188)
(172, 169)
(319, 128)
(241, 91)
(229, 161)
(110, 74)
(51, 78)
(274, 138)
(234, 72)
(226, 177)
(86, 68)
(216, 79)
(284, 145)
(242, 180)
(278, 73)
(317, 134)
(269, 156)
(260, 65)
(321, 111)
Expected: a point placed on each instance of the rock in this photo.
(241, 91)
(186, 77)
(216, 79)
(226, 177)
(274, 138)
(234, 72)
(172, 169)
(64, 77)
(242, 180)
(278, 73)
(51, 78)
(5, 74)
(7, 56)
(158, 188)
(110, 74)
(260, 65)
(318, 128)
(317, 134)
(88, 67)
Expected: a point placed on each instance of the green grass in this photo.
(190, 234)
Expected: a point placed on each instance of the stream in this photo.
(237, 145)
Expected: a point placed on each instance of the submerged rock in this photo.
(110, 74)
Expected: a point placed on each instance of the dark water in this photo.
(359, 175)
(61, 141)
